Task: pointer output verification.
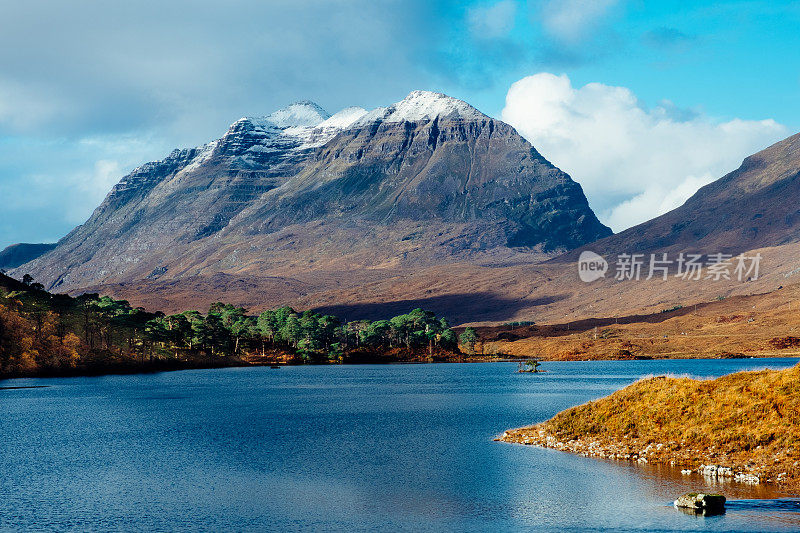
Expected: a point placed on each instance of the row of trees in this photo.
(229, 330)
(39, 330)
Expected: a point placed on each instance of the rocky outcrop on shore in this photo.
(638, 452)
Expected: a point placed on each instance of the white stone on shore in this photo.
(750, 479)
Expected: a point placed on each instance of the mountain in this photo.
(752, 207)
(19, 254)
(752, 210)
(342, 200)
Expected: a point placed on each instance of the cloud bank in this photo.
(634, 163)
(48, 186)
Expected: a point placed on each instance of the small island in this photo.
(529, 366)
(744, 427)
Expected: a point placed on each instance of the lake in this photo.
(391, 447)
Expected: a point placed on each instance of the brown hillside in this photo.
(465, 293)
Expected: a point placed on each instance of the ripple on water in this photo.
(394, 447)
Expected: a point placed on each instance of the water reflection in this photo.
(397, 447)
(702, 513)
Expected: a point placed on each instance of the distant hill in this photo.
(755, 206)
(18, 254)
(342, 201)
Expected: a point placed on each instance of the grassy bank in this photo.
(745, 426)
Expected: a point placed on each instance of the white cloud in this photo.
(92, 188)
(633, 163)
(492, 21)
(571, 20)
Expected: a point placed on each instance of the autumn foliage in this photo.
(44, 333)
(748, 420)
(28, 346)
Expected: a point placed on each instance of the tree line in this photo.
(43, 331)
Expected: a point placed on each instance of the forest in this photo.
(56, 334)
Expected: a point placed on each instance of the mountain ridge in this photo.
(428, 180)
(748, 208)
(494, 287)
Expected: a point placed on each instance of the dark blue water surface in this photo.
(395, 447)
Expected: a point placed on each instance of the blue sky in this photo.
(645, 101)
(729, 59)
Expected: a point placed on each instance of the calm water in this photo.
(398, 447)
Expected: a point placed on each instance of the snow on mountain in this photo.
(204, 153)
(344, 118)
(299, 114)
(426, 105)
(305, 125)
(327, 130)
(312, 126)
(303, 114)
(305, 122)
(423, 105)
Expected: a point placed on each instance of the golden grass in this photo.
(749, 421)
(740, 411)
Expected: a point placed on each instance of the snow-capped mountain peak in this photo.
(422, 106)
(313, 126)
(305, 113)
(305, 125)
(344, 118)
(350, 189)
(427, 105)
(327, 129)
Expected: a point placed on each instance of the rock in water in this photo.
(702, 503)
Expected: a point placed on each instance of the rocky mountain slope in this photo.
(342, 199)
(491, 285)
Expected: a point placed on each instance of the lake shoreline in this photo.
(226, 362)
(637, 452)
(740, 427)
(257, 361)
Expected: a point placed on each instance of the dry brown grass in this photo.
(763, 325)
(466, 293)
(749, 421)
